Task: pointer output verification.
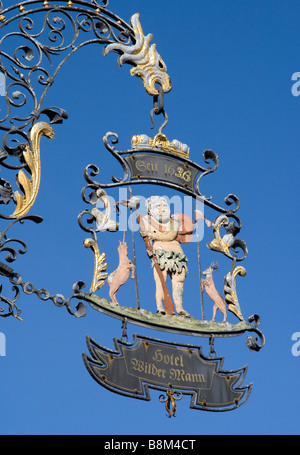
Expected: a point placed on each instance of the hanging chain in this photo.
(212, 352)
(124, 336)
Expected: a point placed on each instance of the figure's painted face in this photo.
(160, 210)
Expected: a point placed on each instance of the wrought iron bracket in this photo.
(44, 36)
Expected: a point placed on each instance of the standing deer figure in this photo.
(208, 284)
(121, 274)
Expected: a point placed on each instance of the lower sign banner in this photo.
(132, 369)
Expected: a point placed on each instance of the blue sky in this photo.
(231, 65)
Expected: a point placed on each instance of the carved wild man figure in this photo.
(166, 251)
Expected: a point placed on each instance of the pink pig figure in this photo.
(121, 274)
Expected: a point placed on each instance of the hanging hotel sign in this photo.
(166, 241)
(133, 368)
(147, 363)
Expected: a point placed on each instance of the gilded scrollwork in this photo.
(230, 291)
(170, 401)
(148, 64)
(30, 187)
(227, 242)
(100, 266)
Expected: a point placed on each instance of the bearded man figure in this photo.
(163, 230)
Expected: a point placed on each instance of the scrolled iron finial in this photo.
(148, 64)
(170, 401)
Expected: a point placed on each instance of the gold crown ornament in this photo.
(142, 141)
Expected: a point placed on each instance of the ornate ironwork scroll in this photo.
(161, 162)
(148, 64)
(30, 187)
(38, 37)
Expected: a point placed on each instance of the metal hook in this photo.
(158, 108)
(158, 101)
(164, 123)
